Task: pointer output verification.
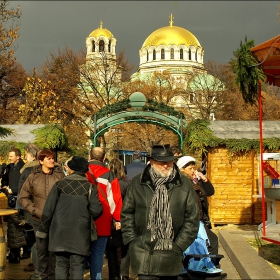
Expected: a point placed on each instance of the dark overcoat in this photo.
(67, 215)
(134, 219)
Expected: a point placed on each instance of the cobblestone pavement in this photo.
(16, 271)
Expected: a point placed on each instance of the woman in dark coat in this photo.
(15, 235)
(66, 218)
(203, 188)
(115, 242)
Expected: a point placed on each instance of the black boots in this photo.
(13, 258)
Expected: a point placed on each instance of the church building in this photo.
(170, 49)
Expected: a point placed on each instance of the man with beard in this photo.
(160, 217)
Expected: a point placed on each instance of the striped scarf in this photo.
(160, 219)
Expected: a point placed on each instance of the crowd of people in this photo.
(142, 217)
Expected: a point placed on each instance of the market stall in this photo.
(268, 56)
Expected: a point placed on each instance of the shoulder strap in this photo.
(92, 176)
(89, 191)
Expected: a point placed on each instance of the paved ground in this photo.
(16, 271)
(227, 266)
(240, 260)
(246, 260)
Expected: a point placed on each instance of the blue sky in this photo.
(219, 26)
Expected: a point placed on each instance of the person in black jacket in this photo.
(9, 185)
(136, 166)
(66, 219)
(160, 217)
(11, 178)
(115, 247)
(203, 188)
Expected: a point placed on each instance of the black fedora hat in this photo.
(162, 153)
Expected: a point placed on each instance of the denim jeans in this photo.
(97, 249)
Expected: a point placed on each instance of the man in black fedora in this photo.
(160, 217)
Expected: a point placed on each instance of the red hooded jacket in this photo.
(109, 194)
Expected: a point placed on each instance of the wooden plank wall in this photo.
(235, 184)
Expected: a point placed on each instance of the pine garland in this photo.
(247, 72)
(151, 105)
(199, 137)
(112, 109)
(4, 132)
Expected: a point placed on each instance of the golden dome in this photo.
(101, 32)
(171, 35)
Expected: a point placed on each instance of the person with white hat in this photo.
(203, 188)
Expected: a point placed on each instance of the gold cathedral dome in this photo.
(101, 32)
(171, 35)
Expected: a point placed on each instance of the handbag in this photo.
(93, 231)
(12, 199)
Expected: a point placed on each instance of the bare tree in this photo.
(70, 90)
(8, 32)
(101, 79)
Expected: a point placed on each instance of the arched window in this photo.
(196, 55)
(101, 46)
(154, 54)
(172, 54)
(190, 54)
(181, 54)
(147, 56)
(191, 97)
(162, 54)
(93, 46)
(109, 46)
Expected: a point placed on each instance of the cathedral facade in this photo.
(171, 49)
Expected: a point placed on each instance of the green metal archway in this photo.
(137, 102)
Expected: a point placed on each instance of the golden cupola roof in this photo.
(101, 32)
(171, 35)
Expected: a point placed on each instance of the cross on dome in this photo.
(171, 20)
(101, 24)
